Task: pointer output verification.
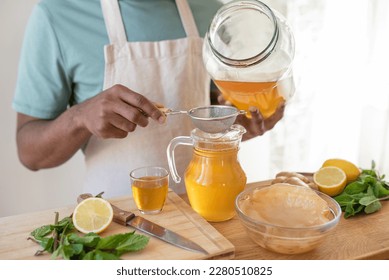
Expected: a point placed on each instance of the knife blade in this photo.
(128, 218)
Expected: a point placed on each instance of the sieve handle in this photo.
(168, 111)
(180, 140)
(173, 112)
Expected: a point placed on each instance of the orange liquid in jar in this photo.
(150, 192)
(213, 179)
(263, 95)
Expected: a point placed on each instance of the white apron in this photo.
(170, 72)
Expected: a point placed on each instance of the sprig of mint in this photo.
(364, 194)
(62, 240)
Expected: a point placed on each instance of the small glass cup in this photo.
(149, 188)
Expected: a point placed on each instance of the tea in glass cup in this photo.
(149, 188)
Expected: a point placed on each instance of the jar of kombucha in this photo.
(248, 52)
(214, 176)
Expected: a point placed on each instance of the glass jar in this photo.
(248, 52)
(214, 176)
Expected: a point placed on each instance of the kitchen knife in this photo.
(128, 218)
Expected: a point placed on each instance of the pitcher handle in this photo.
(180, 140)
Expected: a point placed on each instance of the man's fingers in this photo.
(144, 105)
(255, 114)
(257, 121)
(275, 118)
(124, 124)
(132, 114)
(110, 131)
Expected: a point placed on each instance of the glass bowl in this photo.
(287, 240)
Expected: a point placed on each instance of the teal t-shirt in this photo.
(62, 58)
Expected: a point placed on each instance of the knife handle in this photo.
(120, 216)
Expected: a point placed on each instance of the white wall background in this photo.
(22, 190)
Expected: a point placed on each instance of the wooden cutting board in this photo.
(177, 216)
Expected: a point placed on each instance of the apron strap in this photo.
(113, 22)
(187, 18)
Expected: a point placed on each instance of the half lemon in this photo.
(331, 180)
(351, 170)
(92, 215)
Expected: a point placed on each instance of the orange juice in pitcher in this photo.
(212, 193)
(214, 177)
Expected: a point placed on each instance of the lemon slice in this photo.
(351, 170)
(331, 180)
(92, 215)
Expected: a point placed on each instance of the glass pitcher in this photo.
(214, 176)
(248, 51)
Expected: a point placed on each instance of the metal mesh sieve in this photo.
(214, 119)
(210, 119)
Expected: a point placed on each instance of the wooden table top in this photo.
(359, 237)
(176, 216)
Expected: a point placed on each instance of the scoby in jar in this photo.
(287, 205)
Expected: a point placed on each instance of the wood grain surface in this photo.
(177, 216)
(359, 237)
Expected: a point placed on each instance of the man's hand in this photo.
(117, 111)
(111, 114)
(257, 125)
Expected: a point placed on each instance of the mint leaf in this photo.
(368, 172)
(343, 199)
(123, 243)
(359, 209)
(373, 207)
(68, 250)
(381, 190)
(367, 200)
(66, 224)
(370, 191)
(41, 232)
(72, 250)
(355, 187)
(99, 255)
(135, 242)
(89, 240)
(113, 241)
(47, 244)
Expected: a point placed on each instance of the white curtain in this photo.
(341, 105)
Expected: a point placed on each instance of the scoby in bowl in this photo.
(286, 218)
